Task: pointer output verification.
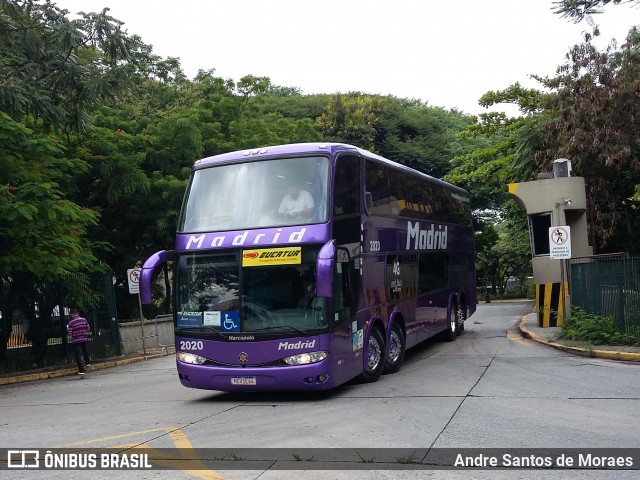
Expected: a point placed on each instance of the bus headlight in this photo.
(306, 358)
(192, 358)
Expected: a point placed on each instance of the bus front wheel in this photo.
(375, 357)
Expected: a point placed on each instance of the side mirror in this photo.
(152, 264)
(324, 266)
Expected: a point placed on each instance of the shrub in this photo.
(594, 329)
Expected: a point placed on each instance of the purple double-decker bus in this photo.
(301, 267)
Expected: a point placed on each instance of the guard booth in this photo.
(556, 209)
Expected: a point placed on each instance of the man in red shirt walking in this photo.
(79, 329)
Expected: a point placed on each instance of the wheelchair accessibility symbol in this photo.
(230, 321)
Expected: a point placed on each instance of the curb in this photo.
(584, 352)
(29, 377)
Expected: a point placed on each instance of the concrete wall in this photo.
(155, 333)
(547, 196)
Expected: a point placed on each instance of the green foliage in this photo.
(504, 147)
(594, 329)
(587, 114)
(577, 10)
(419, 136)
(485, 174)
(41, 231)
(527, 99)
(593, 121)
(295, 106)
(351, 119)
(54, 68)
(502, 249)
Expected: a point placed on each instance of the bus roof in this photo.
(326, 148)
(275, 150)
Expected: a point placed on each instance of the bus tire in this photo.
(452, 324)
(375, 357)
(461, 314)
(397, 347)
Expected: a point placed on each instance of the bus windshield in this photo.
(216, 293)
(257, 194)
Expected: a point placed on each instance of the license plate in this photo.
(243, 380)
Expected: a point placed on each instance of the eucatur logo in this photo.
(250, 255)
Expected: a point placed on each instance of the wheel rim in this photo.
(460, 316)
(374, 354)
(395, 347)
(452, 321)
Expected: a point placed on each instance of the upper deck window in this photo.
(269, 193)
(399, 193)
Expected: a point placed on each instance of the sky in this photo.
(447, 53)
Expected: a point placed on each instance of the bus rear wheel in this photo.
(452, 324)
(397, 346)
(375, 358)
(461, 316)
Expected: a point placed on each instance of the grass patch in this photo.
(597, 330)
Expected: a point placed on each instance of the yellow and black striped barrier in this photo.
(550, 304)
(17, 340)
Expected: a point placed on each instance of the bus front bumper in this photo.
(300, 377)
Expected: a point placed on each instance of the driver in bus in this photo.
(308, 298)
(297, 203)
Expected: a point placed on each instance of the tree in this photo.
(588, 116)
(32, 171)
(417, 135)
(53, 71)
(578, 10)
(595, 103)
(500, 256)
(504, 147)
(351, 118)
(54, 68)
(504, 153)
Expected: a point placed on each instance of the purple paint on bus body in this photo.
(146, 274)
(325, 268)
(250, 368)
(263, 237)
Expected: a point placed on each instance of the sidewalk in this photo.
(71, 369)
(551, 336)
(528, 328)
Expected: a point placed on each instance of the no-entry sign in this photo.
(560, 242)
(133, 279)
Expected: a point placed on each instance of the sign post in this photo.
(560, 249)
(133, 279)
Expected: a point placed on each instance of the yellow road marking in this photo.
(519, 339)
(115, 437)
(185, 463)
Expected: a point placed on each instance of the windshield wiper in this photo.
(201, 330)
(279, 327)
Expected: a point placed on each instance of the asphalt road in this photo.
(489, 389)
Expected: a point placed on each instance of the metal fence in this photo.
(34, 314)
(609, 286)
